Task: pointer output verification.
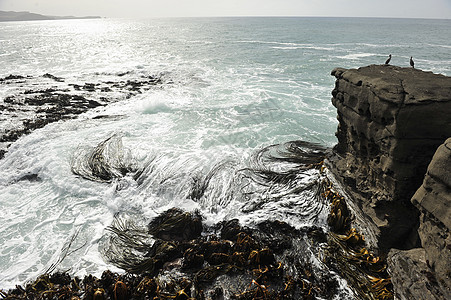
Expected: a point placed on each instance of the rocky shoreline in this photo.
(391, 122)
(31, 102)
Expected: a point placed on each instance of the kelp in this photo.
(300, 156)
(176, 256)
(103, 163)
(175, 224)
(241, 253)
(364, 271)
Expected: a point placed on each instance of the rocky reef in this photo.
(32, 102)
(391, 121)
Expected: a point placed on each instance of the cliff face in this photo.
(391, 121)
(426, 273)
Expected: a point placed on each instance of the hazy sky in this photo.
(191, 8)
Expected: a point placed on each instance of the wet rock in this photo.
(175, 224)
(242, 266)
(30, 177)
(230, 229)
(34, 102)
(11, 77)
(391, 120)
(47, 75)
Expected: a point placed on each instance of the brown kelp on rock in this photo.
(226, 260)
(178, 256)
(365, 271)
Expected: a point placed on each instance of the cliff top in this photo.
(398, 84)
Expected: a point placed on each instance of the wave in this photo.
(304, 47)
(288, 45)
(442, 46)
(357, 55)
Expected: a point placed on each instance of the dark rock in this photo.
(30, 177)
(12, 77)
(230, 229)
(30, 108)
(433, 199)
(175, 224)
(391, 120)
(411, 276)
(47, 75)
(91, 87)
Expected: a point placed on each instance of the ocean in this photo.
(229, 87)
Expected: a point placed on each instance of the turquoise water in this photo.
(231, 86)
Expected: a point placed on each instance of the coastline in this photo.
(339, 218)
(12, 16)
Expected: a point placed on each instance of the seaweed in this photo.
(346, 250)
(106, 161)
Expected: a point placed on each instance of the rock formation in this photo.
(32, 102)
(428, 275)
(391, 121)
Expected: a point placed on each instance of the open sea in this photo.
(229, 88)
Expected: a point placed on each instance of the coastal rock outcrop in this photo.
(391, 121)
(428, 272)
(32, 102)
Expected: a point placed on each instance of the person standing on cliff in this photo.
(412, 63)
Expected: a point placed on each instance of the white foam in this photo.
(357, 55)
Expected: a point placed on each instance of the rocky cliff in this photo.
(425, 273)
(391, 121)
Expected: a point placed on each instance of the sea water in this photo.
(231, 86)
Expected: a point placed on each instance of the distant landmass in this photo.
(6, 16)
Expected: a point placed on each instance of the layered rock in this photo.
(391, 121)
(425, 273)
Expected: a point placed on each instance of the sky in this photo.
(203, 8)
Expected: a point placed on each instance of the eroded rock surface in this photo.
(391, 121)
(425, 273)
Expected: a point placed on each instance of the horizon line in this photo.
(236, 16)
